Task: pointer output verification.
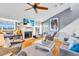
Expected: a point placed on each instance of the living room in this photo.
(39, 29)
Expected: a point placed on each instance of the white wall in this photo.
(66, 17)
(71, 28)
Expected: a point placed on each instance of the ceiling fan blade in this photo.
(42, 7)
(37, 3)
(29, 4)
(28, 9)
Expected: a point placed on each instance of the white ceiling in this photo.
(16, 10)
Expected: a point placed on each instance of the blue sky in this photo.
(6, 24)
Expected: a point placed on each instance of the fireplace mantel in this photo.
(26, 28)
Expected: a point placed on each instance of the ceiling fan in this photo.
(36, 6)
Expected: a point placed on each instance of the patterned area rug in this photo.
(5, 51)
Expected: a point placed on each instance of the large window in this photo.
(7, 25)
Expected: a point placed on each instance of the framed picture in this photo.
(28, 21)
(25, 21)
(54, 24)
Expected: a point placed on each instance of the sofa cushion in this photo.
(75, 48)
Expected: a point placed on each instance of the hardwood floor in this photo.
(29, 42)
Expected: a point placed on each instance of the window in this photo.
(7, 25)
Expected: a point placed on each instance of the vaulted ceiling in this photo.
(16, 10)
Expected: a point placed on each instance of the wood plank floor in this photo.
(29, 42)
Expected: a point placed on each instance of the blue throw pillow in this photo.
(75, 48)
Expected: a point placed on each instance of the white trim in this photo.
(10, 20)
